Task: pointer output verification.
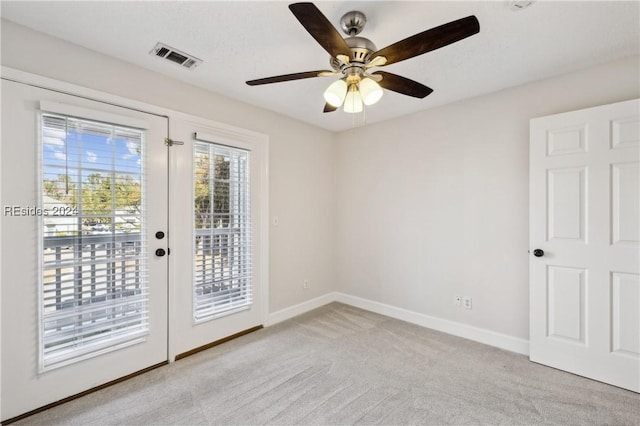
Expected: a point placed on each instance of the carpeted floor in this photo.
(342, 365)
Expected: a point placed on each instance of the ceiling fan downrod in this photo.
(355, 56)
(352, 23)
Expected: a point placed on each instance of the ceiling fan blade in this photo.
(429, 40)
(320, 28)
(402, 85)
(289, 77)
(329, 108)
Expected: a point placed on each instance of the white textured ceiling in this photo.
(240, 41)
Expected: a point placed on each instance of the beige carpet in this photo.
(342, 365)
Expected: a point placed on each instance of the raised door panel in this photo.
(566, 192)
(625, 314)
(565, 141)
(566, 293)
(625, 208)
(625, 133)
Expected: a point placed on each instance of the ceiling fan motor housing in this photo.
(352, 56)
(361, 50)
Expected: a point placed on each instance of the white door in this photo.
(84, 296)
(584, 240)
(218, 234)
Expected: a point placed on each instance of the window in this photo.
(94, 274)
(222, 234)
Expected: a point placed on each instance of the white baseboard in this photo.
(300, 308)
(488, 337)
(477, 334)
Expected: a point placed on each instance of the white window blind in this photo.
(94, 273)
(222, 234)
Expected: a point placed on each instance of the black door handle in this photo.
(160, 252)
(159, 235)
(538, 252)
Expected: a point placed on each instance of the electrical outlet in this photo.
(305, 284)
(457, 300)
(466, 302)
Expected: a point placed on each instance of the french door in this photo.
(585, 242)
(218, 208)
(118, 251)
(84, 270)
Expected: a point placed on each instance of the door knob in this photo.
(538, 252)
(159, 235)
(160, 252)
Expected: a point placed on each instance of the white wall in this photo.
(436, 204)
(301, 183)
(301, 156)
(408, 212)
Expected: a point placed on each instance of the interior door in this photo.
(84, 297)
(584, 236)
(218, 201)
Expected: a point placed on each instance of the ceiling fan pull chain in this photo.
(364, 114)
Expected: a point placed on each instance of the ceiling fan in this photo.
(354, 56)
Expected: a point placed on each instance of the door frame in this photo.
(224, 131)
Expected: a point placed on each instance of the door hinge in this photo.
(171, 142)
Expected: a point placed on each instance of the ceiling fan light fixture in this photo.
(353, 100)
(355, 55)
(370, 91)
(335, 93)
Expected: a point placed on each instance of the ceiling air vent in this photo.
(174, 55)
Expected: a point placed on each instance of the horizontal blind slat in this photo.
(55, 332)
(94, 262)
(222, 236)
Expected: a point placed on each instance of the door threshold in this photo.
(217, 342)
(83, 393)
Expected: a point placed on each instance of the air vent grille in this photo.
(189, 63)
(161, 50)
